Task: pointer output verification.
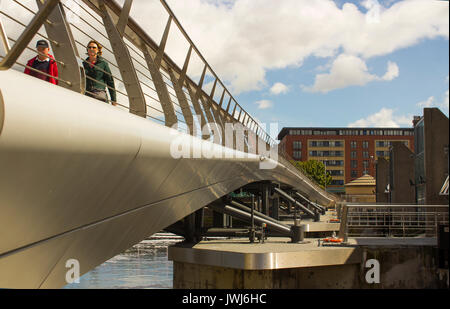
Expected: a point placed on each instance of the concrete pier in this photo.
(237, 264)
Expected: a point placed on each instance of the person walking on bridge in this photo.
(98, 74)
(43, 63)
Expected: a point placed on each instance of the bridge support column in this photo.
(275, 207)
(265, 188)
(193, 225)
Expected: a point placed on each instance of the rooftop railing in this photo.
(391, 220)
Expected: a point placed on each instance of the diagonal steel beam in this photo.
(124, 15)
(199, 111)
(125, 63)
(65, 50)
(183, 102)
(28, 34)
(161, 89)
(162, 44)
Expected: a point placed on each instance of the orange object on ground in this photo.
(335, 240)
(335, 220)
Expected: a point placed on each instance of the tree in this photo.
(316, 170)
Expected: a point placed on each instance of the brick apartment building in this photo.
(348, 153)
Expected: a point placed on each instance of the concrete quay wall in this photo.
(406, 267)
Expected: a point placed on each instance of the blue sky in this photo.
(423, 71)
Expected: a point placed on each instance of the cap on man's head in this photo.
(42, 43)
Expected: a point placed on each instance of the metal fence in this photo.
(391, 220)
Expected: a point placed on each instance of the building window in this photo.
(383, 154)
(297, 155)
(353, 154)
(365, 164)
(334, 163)
(297, 145)
(337, 183)
(336, 172)
(325, 153)
(325, 144)
(365, 144)
(354, 164)
(354, 173)
(365, 154)
(353, 144)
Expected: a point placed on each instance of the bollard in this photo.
(298, 233)
(316, 216)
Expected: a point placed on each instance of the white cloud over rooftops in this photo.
(384, 118)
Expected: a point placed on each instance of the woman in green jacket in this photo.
(98, 74)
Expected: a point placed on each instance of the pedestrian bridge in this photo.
(85, 180)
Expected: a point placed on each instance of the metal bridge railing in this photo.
(147, 81)
(391, 220)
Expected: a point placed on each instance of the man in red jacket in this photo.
(43, 62)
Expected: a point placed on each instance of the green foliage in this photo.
(316, 170)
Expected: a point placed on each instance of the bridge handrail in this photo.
(143, 43)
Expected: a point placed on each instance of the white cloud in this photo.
(279, 88)
(384, 118)
(264, 104)
(432, 102)
(349, 70)
(427, 103)
(250, 37)
(392, 71)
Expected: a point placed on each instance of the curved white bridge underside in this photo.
(80, 179)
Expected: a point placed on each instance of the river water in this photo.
(144, 266)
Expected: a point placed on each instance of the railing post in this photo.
(28, 34)
(65, 50)
(343, 228)
(187, 114)
(199, 112)
(154, 66)
(4, 38)
(125, 63)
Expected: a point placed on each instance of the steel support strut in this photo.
(65, 49)
(125, 63)
(28, 34)
(292, 200)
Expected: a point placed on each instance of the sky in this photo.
(322, 63)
